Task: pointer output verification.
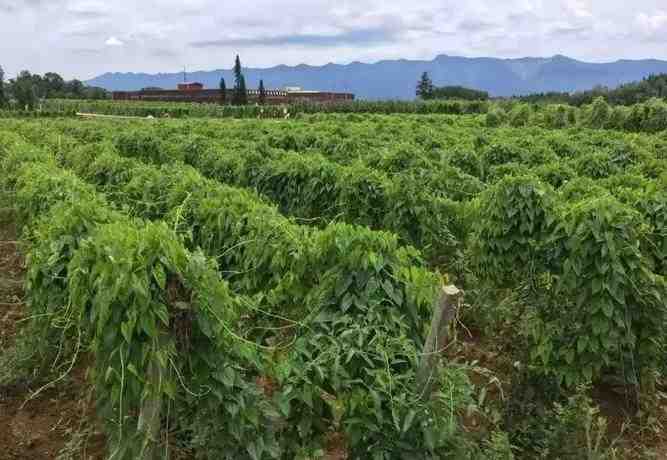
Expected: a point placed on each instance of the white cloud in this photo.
(113, 41)
(579, 8)
(157, 35)
(656, 22)
(650, 28)
(87, 8)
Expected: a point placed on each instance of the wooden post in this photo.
(10, 286)
(149, 414)
(443, 314)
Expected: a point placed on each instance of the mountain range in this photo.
(396, 79)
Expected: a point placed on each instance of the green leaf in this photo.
(226, 376)
(205, 326)
(160, 276)
(147, 323)
(161, 311)
(582, 343)
(348, 300)
(108, 373)
(307, 396)
(133, 370)
(126, 330)
(407, 423)
(284, 404)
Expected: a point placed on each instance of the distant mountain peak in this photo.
(396, 78)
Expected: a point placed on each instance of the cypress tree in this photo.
(425, 87)
(262, 93)
(239, 92)
(237, 71)
(223, 91)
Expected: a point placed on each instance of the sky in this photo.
(85, 38)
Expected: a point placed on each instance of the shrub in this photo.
(609, 302)
(521, 115)
(569, 430)
(500, 153)
(597, 165)
(598, 116)
(555, 173)
(514, 219)
(495, 117)
(556, 117)
(466, 160)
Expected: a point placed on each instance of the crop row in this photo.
(177, 110)
(650, 116)
(377, 191)
(412, 201)
(156, 316)
(593, 267)
(339, 317)
(505, 242)
(415, 207)
(582, 157)
(331, 319)
(313, 188)
(393, 146)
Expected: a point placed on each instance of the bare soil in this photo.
(41, 428)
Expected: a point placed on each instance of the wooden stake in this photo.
(149, 414)
(7, 285)
(443, 314)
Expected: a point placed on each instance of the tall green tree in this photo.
(24, 90)
(238, 71)
(240, 93)
(223, 91)
(75, 88)
(262, 93)
(3, 98)
(425, 87)
(54, 85)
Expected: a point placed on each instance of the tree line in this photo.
(27, 89)
(428, 91)
(653, 86)
(240, 90)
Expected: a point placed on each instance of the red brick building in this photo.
(195, 92)
(190, 86)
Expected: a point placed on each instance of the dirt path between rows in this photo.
(55, 424)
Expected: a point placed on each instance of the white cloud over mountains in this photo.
(86, 37)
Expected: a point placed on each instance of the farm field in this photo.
(649, 116)
(260, 289)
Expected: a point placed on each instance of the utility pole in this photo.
(184, 75)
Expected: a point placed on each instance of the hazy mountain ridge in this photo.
(396, 79)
